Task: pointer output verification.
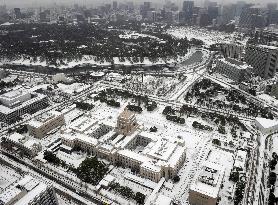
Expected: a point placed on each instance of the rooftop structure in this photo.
(28, 191)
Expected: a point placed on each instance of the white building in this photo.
(233, 69)
(28, 191)
(17, 142)
(150, 155)
(206, 184)
(266, 126)
(43, 124)
(16, 103)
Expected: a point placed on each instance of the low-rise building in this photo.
(26, 145)
(266, 126)
(43, 124)
(206, 184)
(16, 103)
(233, 69)
(29, 191)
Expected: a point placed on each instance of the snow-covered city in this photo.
(130, 102)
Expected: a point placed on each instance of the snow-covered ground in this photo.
(209, 37)
(73, 88)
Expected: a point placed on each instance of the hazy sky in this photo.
(35, 3)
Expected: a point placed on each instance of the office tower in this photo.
(228, 13)
(17, 13)
(188, 10)
(239, 6)
(252, 17)
(115, 5)
(212, 13)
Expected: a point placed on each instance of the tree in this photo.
(153, 129)
(51, 158)
(234, 176)
(272, 178)
(221, 129)
(176, 179)
(216, 142)
(139, 198)
(91, 170)
(272, 164)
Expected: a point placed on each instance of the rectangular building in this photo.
(263, 59)
(16, 103)
(43, 124)
(206, 184)
(233, 69)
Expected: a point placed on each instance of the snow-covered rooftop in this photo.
(208, 180)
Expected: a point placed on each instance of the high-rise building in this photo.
(188, 7)
(212, 13)
(228, 13)
(17, 13)
(263, 59)
(115, 5)
(252, 17)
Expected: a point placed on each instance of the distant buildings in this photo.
(206, 184)
(252, 17)
(43, 124)
(263, 59)
(16, 103)
(233, 69)
(29, 191)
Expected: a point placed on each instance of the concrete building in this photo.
(29, 191)
(252, 17)
(21, 144)
(266, 126)
(232, 50)
(43, 124)
(233, 69)
(152, 156)
(206, 184)
(263, 59)
(16, 103)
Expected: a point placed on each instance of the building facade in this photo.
(263, 59)
(16, 103)
(233, 69)
(206, 184)
(43, 124)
